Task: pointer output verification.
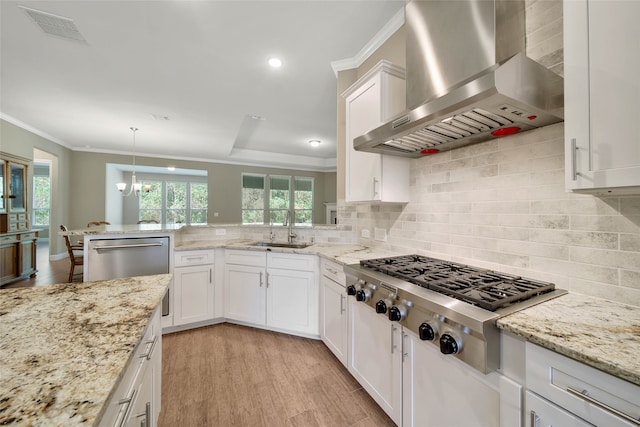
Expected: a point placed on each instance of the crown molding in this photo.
(381, 36)
(23, 125)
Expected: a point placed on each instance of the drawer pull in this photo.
(533, 420)
(126, 401)
(332, 271)
(148, 354)
(585, 396)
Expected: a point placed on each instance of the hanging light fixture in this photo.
(136, 187)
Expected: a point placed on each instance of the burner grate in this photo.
(485, 288)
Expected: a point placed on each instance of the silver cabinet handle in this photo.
(126, 401)
(574, 161)
(261, 279)
(375, 190)
(585, 396)
(533, 420)
(138, 245)
(210, 275)
(149, 352)
(393, 329)
(267, 279)
(404, 352)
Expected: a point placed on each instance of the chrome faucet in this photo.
(288, 222)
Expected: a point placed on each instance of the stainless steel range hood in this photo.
(468, 79)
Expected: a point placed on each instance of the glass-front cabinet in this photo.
(14, 201)
(17, 242)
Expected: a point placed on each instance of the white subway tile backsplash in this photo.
(630, 279)
(610, 258)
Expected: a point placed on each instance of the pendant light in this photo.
(135, 186)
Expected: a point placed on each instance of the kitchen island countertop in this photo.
(596, 332)
(65, 347)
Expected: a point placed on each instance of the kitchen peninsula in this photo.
(68, 348)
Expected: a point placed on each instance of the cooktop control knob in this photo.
(351, 290)
(398, 312)
(427, 331)
(381, 307)
(450, 344)
(363, 294)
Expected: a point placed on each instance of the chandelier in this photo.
(136, 187)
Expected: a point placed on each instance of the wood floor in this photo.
(231, 375)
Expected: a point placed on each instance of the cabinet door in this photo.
(372, 176)
(364, 169)
(375, 357)
(193, 294)
(245, 293)
(601, 95)
(541, 413)
(436, 388)
(334, 318)
(8, 258)
(292, 300)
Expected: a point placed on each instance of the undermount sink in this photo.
(281, 245)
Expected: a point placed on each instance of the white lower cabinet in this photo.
(137, 399)
(375, 357)
(334, 318)
(275, 290)
(440, 391)
(193, 287)
(564, 392)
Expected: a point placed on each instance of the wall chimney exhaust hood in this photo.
(468, 79)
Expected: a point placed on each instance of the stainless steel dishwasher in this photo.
(129, 257)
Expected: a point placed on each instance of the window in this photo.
(41, 200)
(170, 202)
(279, 198)
(151, 201)
(253, 199)
(282, 198)
(303, 201)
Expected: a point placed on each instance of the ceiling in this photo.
(191, 75)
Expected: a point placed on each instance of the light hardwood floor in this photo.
(231, 375)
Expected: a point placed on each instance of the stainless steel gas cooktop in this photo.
(452, 305)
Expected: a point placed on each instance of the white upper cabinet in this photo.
(602, 89)
(370, 102)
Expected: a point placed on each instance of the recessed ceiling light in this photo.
(256, 117)
(314, 142)
(275, 62)
(159, 117)
(171, 168)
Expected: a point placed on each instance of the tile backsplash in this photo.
(502, 205)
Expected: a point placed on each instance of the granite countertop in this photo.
(65, 347)
(123, 229)
(599, 333)
(343, 253)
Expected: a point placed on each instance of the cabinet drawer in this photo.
(28, 236)
(188, 258)
(253, 258)
(292, 261)
(589, 393)
(332, 270)
(22, 217)
(4, 240)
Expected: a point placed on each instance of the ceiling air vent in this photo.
(55, 25)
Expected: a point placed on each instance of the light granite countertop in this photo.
(65, 347)
(599, 333)
(343, 253)
(123, 229)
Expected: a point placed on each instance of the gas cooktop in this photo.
(484, 288)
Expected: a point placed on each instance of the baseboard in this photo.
(58, 257)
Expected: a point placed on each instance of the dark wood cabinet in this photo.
(17, 242)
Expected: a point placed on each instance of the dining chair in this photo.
(148, 221)
(97, 223)
(75, 259)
